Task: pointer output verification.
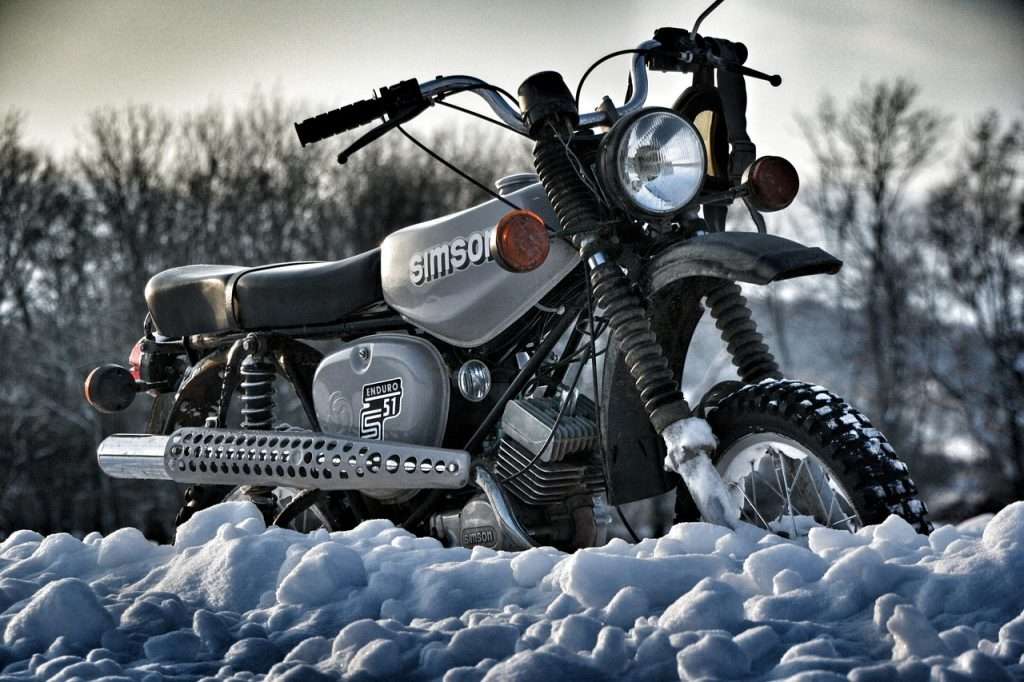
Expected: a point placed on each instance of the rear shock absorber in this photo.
(550, 112)
(258, 371)
(754, 361)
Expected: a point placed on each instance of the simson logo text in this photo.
(446, 259)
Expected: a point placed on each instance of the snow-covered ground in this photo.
(234, 599)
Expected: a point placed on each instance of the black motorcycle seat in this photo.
(207, 299)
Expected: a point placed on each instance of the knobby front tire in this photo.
(797, 419)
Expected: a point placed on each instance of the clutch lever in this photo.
(394, 120)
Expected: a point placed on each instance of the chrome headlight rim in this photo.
(610, 164)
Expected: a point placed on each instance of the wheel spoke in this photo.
(767, 483)
(821, 502)
(799, 468)
(789, 501)
(753, 506)
(851, 517)
(775, 469)
(793, 485)
(753, 483)
(831, 501)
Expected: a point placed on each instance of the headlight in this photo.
(652, 162)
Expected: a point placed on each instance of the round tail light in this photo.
(772, 183)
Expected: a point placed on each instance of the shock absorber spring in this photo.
(258, 372)
(577, 212)
(754, 361)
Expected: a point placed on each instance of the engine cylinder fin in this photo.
(530, 422)
(546, 482)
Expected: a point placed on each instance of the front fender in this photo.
(739, 257)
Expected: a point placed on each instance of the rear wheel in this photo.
(795, 455)
(303, 511)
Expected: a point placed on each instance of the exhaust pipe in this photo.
(134, 455)
(297, 459)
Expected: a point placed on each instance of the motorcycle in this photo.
(451, 400)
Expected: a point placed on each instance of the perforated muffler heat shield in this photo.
(298, 459)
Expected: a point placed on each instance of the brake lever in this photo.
(393, 121)
(719, 63)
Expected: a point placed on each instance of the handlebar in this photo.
(408, 94)
(392, 99)
(513, 118)
(405, 99)
(338, 121)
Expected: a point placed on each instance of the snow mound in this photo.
(235, 600)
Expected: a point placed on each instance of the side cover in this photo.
(391, 387)
(441, 276)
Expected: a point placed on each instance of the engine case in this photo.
(553, 481)
(475, 524)
(392, 387)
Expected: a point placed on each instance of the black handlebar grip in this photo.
(339, 120)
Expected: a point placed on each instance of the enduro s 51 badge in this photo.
(381, 401)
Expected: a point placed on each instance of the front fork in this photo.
(550, 112)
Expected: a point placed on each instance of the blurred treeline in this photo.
(924, 329)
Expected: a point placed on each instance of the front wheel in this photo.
(795, 455)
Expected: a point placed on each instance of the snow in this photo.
(235, 600)
(687, 442)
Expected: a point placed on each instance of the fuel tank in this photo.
(441, 276)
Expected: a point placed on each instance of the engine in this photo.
(543, 477)
(559, 497)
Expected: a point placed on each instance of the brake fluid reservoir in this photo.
(384, 387)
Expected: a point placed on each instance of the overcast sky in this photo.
(61, 59)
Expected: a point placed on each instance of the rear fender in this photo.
(201, 389)
(198, 394)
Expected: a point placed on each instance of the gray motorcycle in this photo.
(440, 374)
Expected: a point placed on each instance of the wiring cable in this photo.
(482, 117)
(469, 178)
(455, 169)
(597, 395)
(625, 523)
(551, 436)
(703, 15)
(602, 60)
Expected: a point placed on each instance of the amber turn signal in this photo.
(520, 242)
(772, 183)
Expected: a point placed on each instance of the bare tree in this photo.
(124, 172)
(868, 154)
(976, 225)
